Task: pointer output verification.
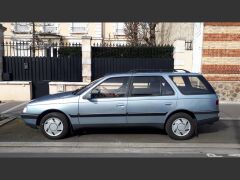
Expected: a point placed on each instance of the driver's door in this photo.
(107, 104)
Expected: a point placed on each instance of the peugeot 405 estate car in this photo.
(177, 101)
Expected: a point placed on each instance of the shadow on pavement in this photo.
(120, 130)
(212, 128)
(236, 126)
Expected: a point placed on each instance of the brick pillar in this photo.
(86, 58)
(2, 29)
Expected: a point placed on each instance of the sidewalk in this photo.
(96, 149)
(10, 110)
(229, 111)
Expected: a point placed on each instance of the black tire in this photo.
(170, 121)
(62, 118)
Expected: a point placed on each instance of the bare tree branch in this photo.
(141, 33)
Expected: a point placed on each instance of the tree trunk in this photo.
(152, 35)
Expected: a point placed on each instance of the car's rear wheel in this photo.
(54, 125)
(180, 126)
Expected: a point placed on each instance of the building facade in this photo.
(66, 32)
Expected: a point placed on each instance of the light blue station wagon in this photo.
(177, 101)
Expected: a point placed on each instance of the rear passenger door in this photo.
(150, 99)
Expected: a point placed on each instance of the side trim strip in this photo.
(207, 112)
(29, 116)
(114, 115)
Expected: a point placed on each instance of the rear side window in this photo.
(150, 86)
(192, 85)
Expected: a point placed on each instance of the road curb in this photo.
(229, 102)
(229, 118)
(118, 145)
(45, 149)
(7, 120)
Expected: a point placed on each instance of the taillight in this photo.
(217, 102)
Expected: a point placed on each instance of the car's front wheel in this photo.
(54, 125)
(180, 126)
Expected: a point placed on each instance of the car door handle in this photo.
(168, 104)
(120, 105)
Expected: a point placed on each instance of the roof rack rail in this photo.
(157, 70)
(176, 70)
(150, 70)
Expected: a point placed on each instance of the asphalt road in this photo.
(223, 131)
(224, 135)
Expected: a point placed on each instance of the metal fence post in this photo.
(86, 58)
(2, 29)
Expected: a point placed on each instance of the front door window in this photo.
(111, 88)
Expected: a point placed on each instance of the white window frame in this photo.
(79, 27)
(17, 30)
(119, 29)
(54, 26)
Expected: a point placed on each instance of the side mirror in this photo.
(95, 93)
(87, 96)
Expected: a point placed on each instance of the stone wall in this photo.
(227, 90)
(15, 90)
(57, 87)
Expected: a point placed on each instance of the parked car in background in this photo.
(177, 101)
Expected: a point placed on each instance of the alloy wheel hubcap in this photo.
(181, 127)
(53, 126)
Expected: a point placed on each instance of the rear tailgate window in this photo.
(192, 84)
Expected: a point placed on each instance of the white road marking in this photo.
(213, 155)
(14, 107)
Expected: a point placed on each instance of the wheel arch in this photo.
(51, 111)
(180, 111)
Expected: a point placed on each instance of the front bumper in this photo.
(30, 119)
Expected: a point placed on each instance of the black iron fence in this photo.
(128, 51)
(55, 62)
(27, 49)
(111, 58)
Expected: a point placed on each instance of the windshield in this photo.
(84, 88)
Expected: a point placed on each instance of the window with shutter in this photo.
(119, 28)
(79, 27)
(50, 28)
(22, 27)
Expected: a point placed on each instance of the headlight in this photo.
(25, 110)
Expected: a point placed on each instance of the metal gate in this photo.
(65, 64)
(115, 59)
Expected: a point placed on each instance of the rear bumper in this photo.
(30, 119)
(208, 121)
